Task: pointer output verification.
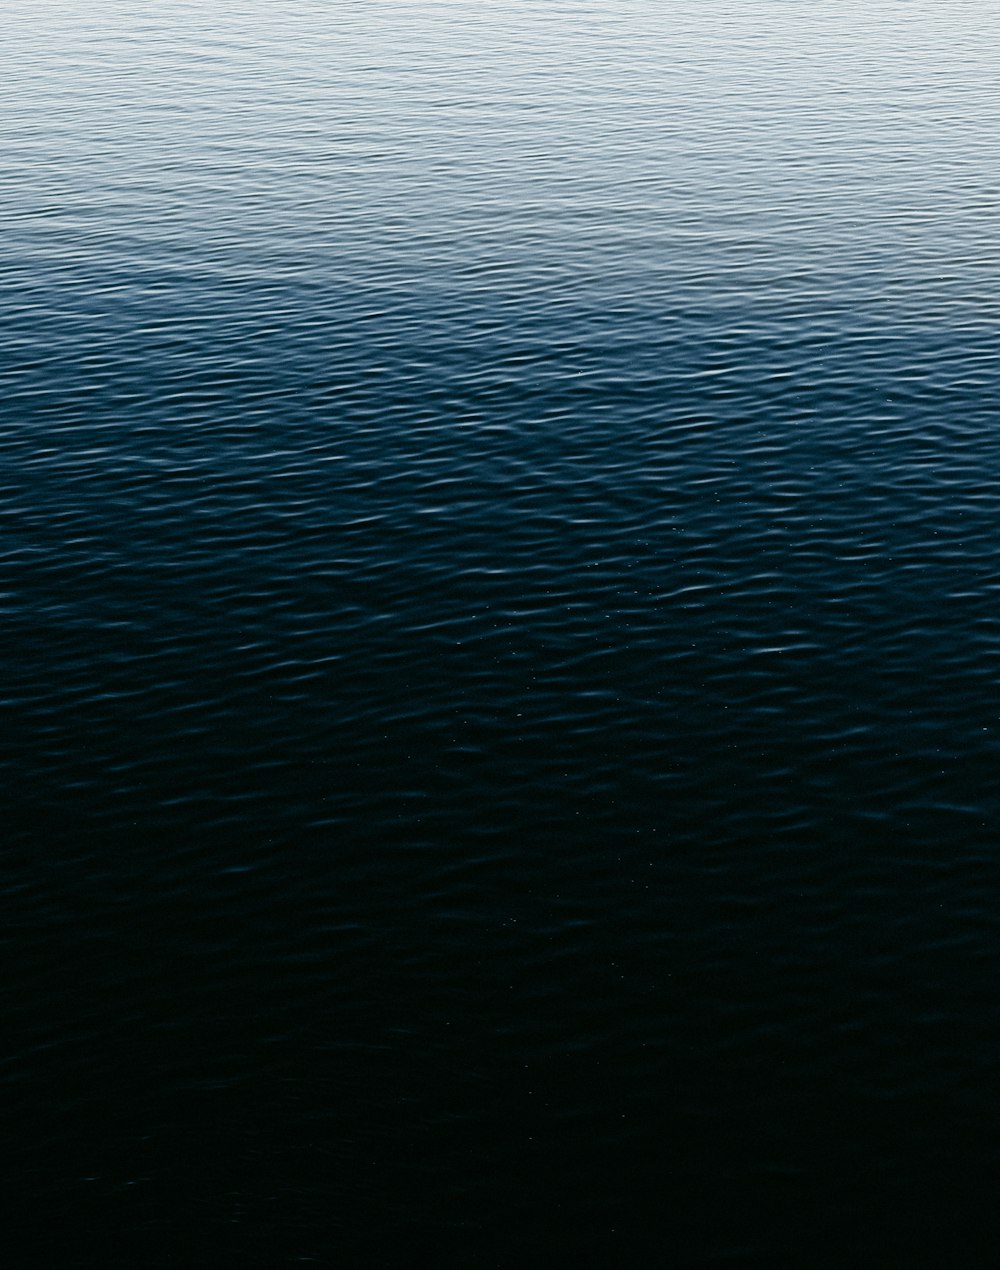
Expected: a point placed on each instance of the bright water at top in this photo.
(500, 565)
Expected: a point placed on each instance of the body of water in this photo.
(500, 566)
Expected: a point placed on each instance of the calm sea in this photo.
(500, 578)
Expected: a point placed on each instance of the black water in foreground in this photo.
(500, 579)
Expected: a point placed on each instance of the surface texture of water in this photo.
(500, 575)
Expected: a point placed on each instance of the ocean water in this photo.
(500, 578)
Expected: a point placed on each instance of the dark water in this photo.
(500, 563)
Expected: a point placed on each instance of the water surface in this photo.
(499, 575)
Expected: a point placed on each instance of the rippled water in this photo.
(500, 567)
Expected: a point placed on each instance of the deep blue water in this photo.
(500, 576)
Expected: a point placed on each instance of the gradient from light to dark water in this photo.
(501, 561)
